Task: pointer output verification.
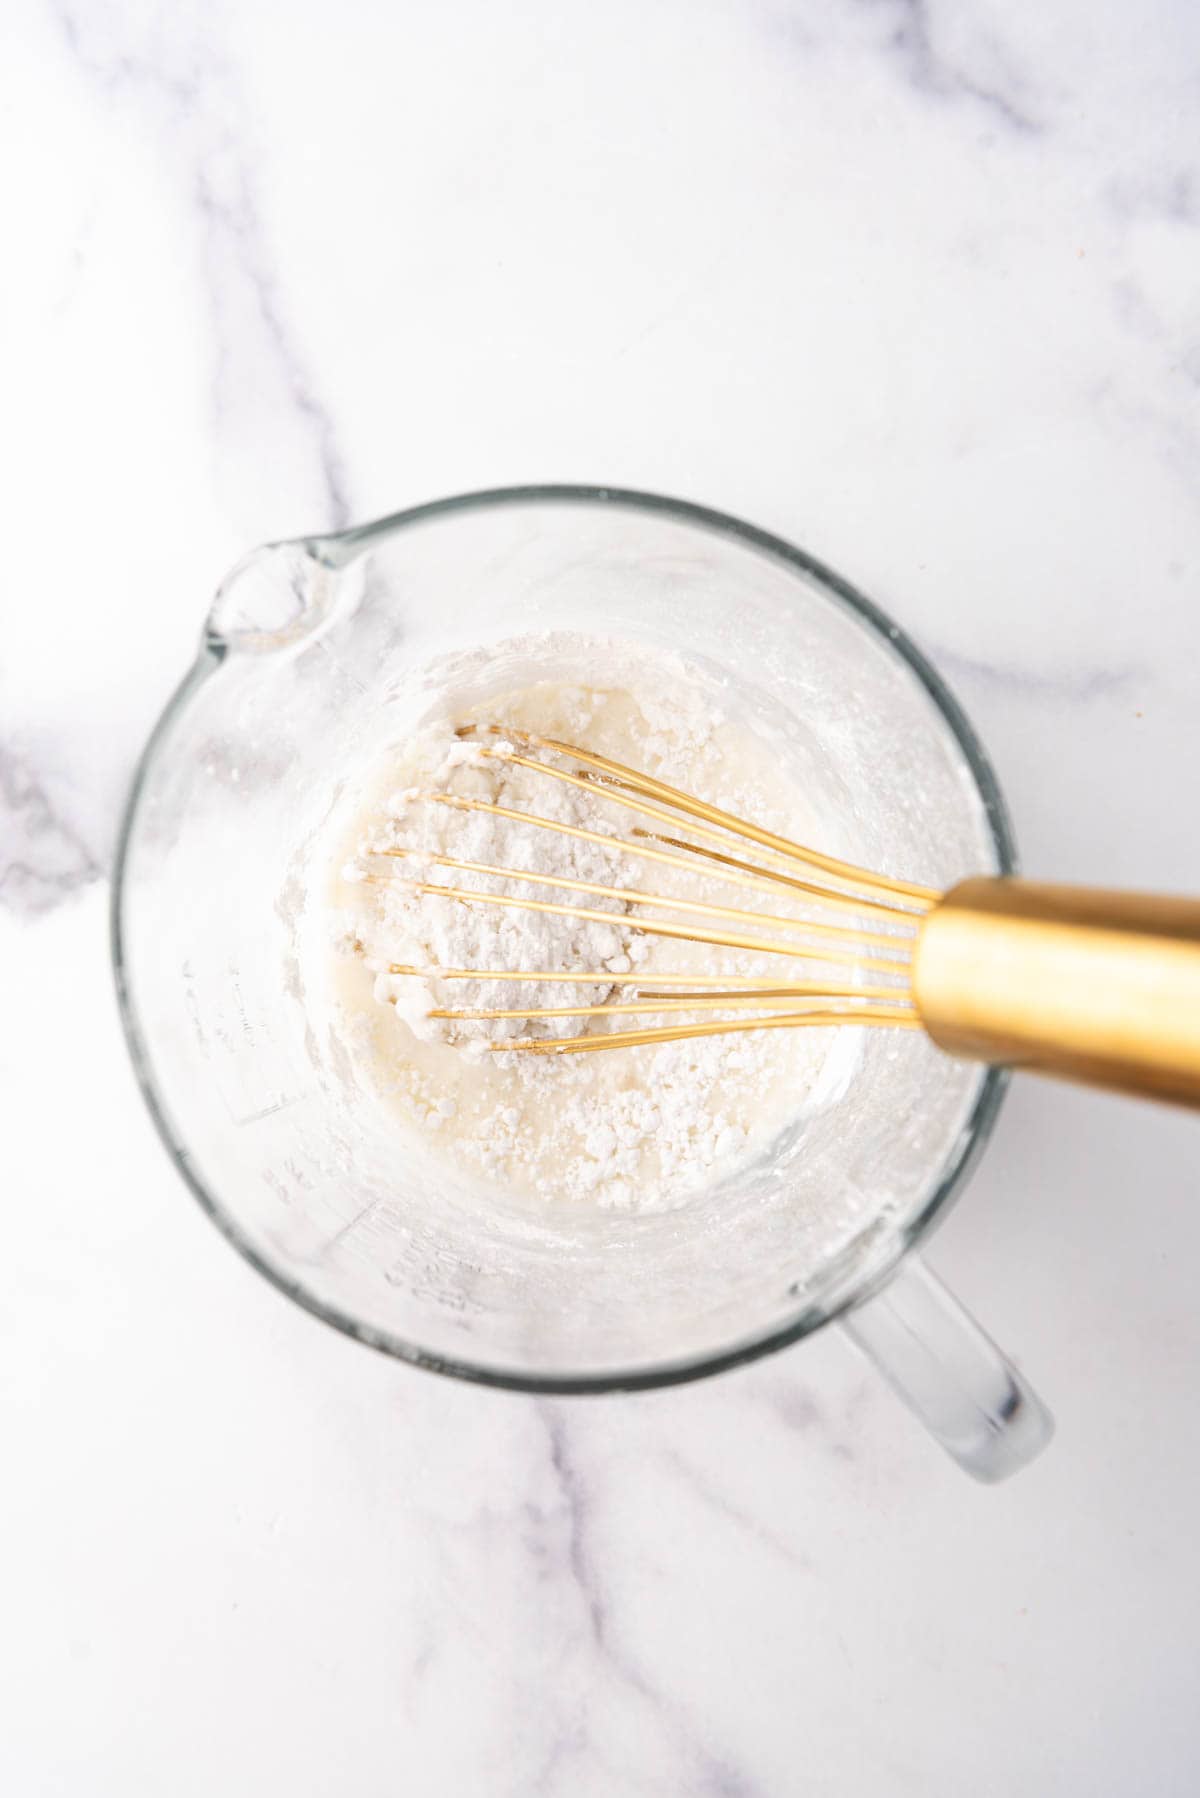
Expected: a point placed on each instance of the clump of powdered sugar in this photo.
(405, 855)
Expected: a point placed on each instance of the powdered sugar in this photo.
(425, 930)
(638, 1129)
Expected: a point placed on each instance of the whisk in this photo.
(1093, 985)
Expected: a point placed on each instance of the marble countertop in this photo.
(911, 283)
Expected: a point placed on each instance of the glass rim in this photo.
(339, 547)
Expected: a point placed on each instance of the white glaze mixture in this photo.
(639, 1129)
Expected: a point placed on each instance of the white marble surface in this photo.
(914, 283)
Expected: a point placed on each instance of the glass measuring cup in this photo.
(317, 650)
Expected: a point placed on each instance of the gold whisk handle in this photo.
(1095, 986)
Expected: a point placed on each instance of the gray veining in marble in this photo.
(912, 283)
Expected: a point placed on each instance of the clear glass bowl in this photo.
(315, 652)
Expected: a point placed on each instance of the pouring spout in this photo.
(278, 597)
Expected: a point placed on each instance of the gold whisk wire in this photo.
(809, 1003)
(617, 775)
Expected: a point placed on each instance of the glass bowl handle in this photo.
(948, 1371)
